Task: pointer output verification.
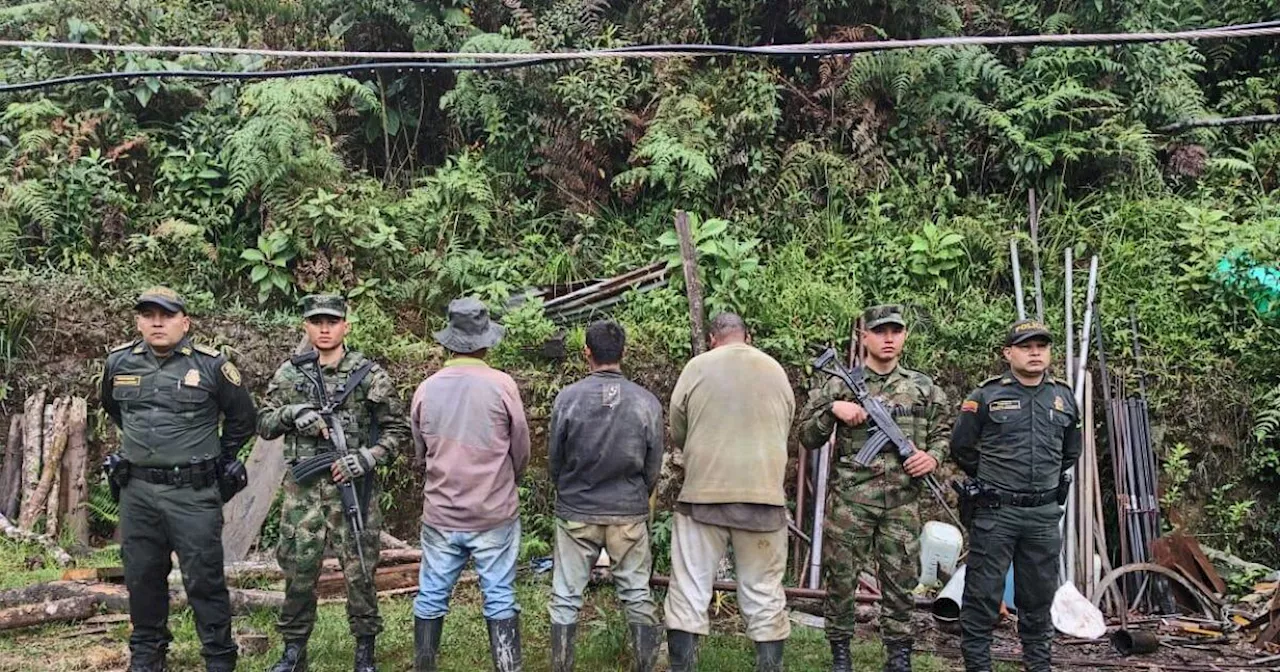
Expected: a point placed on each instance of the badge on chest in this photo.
(1005, 405)
(192, 379)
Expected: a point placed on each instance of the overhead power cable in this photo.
(502, 60)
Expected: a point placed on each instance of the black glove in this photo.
(1064, 488)
(232, 477)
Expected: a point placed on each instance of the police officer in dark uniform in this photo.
(1015, 436)
(166, 395)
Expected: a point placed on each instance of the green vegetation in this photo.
(816, 185)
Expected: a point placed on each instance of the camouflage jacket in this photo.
(374, 399)
(920, 408)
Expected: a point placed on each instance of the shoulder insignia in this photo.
(231, 373)
(207, 350)
(124, 346)
(990, 380)
(969, 406)
(185, 350)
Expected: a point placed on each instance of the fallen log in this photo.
(8, 529)
(75, 474)
(384, 578)
(32, 422)
(390, 542)
(69, 609)
(57, 443)
(11, 479)
(269, 570)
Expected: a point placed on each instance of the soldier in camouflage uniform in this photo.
(372, 417)
(872, 514)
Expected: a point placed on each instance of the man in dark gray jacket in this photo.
(605, 452)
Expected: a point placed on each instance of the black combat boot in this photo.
(294, 658)
(682, 650)
(223, 664)
(364, 654)
(840, 661)
(769, 656)
(562, 647)
(504, 644)
(426, 642)
(154, 663)
(645, 640)
(898, 655)
(1037, 656)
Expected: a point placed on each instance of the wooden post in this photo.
(1035, 253)
(52, 464)
(11, 479)
(692, 285)
(32, 436)
(75, 465)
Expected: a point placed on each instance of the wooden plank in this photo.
(32, 421)
(246, 512)
(11, 479)
(75, 473)
(692, 285)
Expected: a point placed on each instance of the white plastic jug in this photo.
(940, 545)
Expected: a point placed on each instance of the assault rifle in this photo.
(311, 468)
(882, 431)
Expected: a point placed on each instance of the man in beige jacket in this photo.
(731, 412)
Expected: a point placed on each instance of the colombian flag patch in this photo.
(969, 406)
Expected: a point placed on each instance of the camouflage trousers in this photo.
(858, 538)
(310, 517)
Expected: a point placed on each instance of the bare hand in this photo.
(919, 464)
(848, 412)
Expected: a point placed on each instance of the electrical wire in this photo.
(505, 60)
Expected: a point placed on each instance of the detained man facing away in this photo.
(472, 440)
(605, 453)
(731, 412)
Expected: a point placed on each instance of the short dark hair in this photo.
(606, 339)
(728, 323)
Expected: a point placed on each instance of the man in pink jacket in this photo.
(472, 440)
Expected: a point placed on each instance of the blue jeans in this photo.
(445, 553)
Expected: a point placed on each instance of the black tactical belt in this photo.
(200, 475)
(1028, 499)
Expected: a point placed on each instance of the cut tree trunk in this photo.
(55, 423)
(692, 285)
(11, 479)
(32, 442)
(75, 476)
(16, 533)
(57, 437)
(70, 609)
(389, 541)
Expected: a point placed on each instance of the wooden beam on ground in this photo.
(69, 609)
(8, 529)
(11, 477)
(385, 578)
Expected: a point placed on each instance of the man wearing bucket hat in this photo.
(472, 442)
(874, 517)
(1016, 436)
(167, 396)
(311, 515)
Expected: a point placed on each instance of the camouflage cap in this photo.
(324, 304)
(876, 316)
(161, 296)
(1025, 330)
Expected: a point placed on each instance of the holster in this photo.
(116, 469)
(232, 477)
(1064, 488)
(966, 493)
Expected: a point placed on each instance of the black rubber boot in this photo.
(840, 661)
(225, 664)
(364, 654)
(153, 663)
(426, 643)
(562, 647)
(1037, 656)
(898, 655)
(294, 658)
(645, 640)
(769, 656)
(504, 644)
(682, 650)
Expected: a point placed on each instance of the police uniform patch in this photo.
(230, 372)
(1058, 404)
(126, 381)
(212, 352)
(1005, 405)
(969, 406)
(192, 379)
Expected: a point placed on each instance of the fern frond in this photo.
(1266, 421)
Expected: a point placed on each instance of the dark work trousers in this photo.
(1028, 537)
(156, 520)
